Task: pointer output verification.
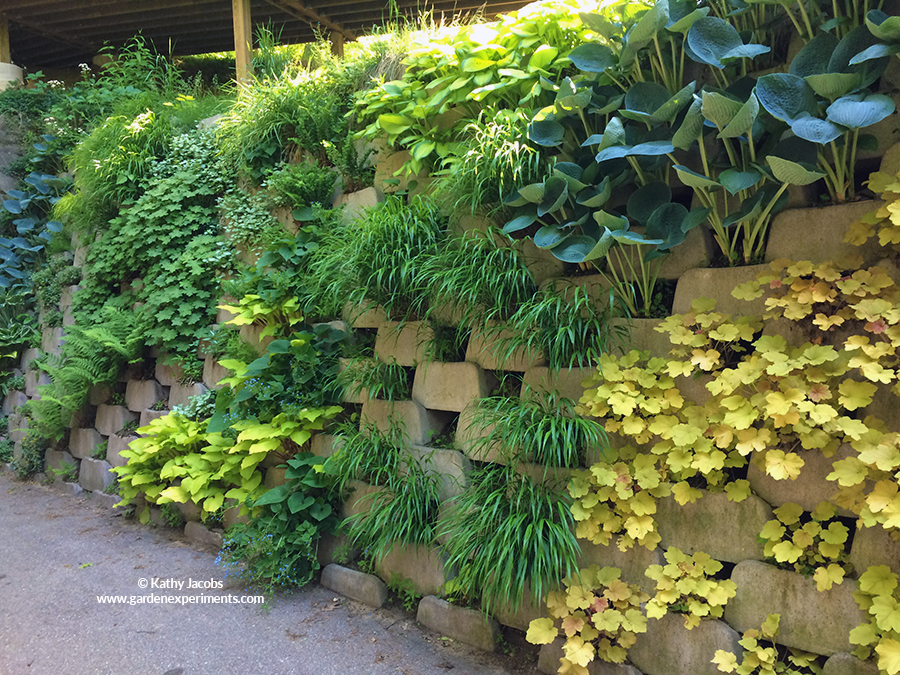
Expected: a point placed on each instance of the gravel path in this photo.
(58, 553)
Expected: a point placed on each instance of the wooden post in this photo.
(243, 39)
(5, 55)
(337, 43)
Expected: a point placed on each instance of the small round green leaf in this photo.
(592, 57)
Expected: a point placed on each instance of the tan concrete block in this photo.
(405, 344)
(390, 176)
(641, 334)
(148, 416)
(168, 374)
(81, 255)
(723, 529)
(213, 373)
(569, 382)
(668, 647)
(365, 315)
(189, 511)
(633, 562)
(542, 264)
(717, 284)
(817, 234)
(94, 474)
(448, 386)
(59, 460)
(487, 351)
(13, 400)
(358, 500)
(468, 626)
(356, 203)
(114, 447)
(28, 356)
(66, 296)
(885, 406)
(816, 621)
(596, 287)
(252, 335)
(52, 340)
(416, 424)
(275, 476)
(83, 442)
(200, 535)
(847, 664)
(180, 394)
(890, 163)
(809, 488)
(34, 380)
(874, 546)
(470, 437)
(365, 588)
(325, 445)
(451, 467)
(421, 565)
(99, 394)
(143, 394)
(112, 418)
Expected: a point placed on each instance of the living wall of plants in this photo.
(382, 310)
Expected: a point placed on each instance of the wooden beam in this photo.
(297, 9)
(5, 56)
(337, 44)
(59, 36)
(243, 39)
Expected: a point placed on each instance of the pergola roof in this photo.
(60, 33)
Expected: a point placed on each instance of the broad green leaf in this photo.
(813, 58)
(816, 130)
(743, 120)
(694, 179)
(541, 632)
(793, 173)
(394, 124)
(719, 108)
(592, 57)
(645, 200)
(475, 64)
(549, 236)
(556, 190)
(860, 110)
(786, 96)
(734, 180)
(651, 23)
(691, 127)
(548, 133)
(833, 85)
(883, 26)
(542, 57)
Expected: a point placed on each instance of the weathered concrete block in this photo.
(874, 546)
(470, 437)
(668, 647)
(114, 447)
(112, 418)
(353, 393)
(723, 529)
(422, 566)
(817, 234)
(529, 610)
(809, 488)
(815, 621)
(99, 394)
(94, 474)
(252, 335)
(359, 499)
(418, 425)
(468, 626)
(213, 373)
(390, 176)
(143, 394)
(355, 203)
(18, 427)
(168, 375)
(104, 500)
(365, 588)
(28, 356)
(68, 489)
(542, 264)
(81, 255)
(847, 664)
(52, 340)
(550, 655)
(83, 442)
(190, 511)
(66, 296)
(594, 285)
(488, 351)
(717, 284)
(13, 400)
(885, 406)
(569, 382)
(325, 445)
(180, 394)
(200, 535)
(451, 467)
(633, 562)
(275, 476)
(641, 334)
(448, 386)
(406, 344)
(365, 315)
(59, 460)
(33, 380)
(148, 416)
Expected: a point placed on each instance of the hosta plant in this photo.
(809, 544)
(686, 584)
(599, 614)
(759, 659)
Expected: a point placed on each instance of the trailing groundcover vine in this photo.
(610, 138)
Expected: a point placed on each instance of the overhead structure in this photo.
(64, 33)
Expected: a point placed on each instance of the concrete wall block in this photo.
(94, 474)
(485, 351)
(596, 287)
(189, 511)
(252, 335)
(817, 234)
(359, 500)
(448, 386)
(180, 394)
(83, 442)
(275, 477)
(66, 296)
(695, 252)
(815, 621)
(28, 356)
(406, 344)
(104, 500)
(199, 535)
(365, 588)
(99, 394)
(33, 380)
(325, 445)
(668, 647)
(352, 394)
(112, 418)
(143, 394)
(52, 340)
(874, 546)
(550, 655)
(451, 467)
(847, 664)
(81, 254)
(885, 406)
(59, 460)
(569, 382)
(633, 562)
(422, 566)
(334, 548)
(521, 618)
(213, 373)
(418, 425)
(355, 203)
(717, 284)
(148, 416)
(469, 437)
(723, 529)
(18, 427)
(168, 374)
(13, 400)
(468, 626)
(114, 447)
(365, 315)
(641, 334)
(809, 488)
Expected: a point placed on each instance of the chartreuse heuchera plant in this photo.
(812, 544)
(878, 596)
(759, 659)
(686, 584)
(600, 615)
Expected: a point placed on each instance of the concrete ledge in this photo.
(143, 394)
(365, 588)
(567, 381)
(668, 647)
(104, 500)
(418, 424)
(83, 442)
(550, 655)
(422, 566)
(633, 562)
(405, 344)
(874, 546)
(94, 475)
(468, 626)
(448, 386)
(112, 418)
(847, 664)
(484, 350)
(199, 535)
(180, 394)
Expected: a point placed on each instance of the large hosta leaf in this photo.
(592, 57)
(548, 133)
(856, 41)
(714, 41)
(814, 57)
(793, 173)
(816, 130)
(646, 200)
(786, 96)
(860, 110)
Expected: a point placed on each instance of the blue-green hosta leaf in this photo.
(816, 130)
(748, 51)
(24, 225)
(571, 173)
(683, 14)
(595, 196)
(860, 110)
(664, 225)
(793, 173)
(883, 26)
(578, 248)
(36, 180)
(692, 126)
(668, 110)
(549, 236)
(610, 221)
(653, 21)
(694, 218)
(875, 52)
(12, 205)
(547, 133)
(833, 85)
(533, 193)
(592, 57)
(735, 180)
(648, 149)
(813, 58)
(614, 134)
(632, 238)
(646, 199)
(643, 99)
(694, 179)
(786, 96)
(55, 182)
(556, 190)
(600, 24)
(45, 236)
(743, 121)
(712, 40)
(854, 42)
(574, 102)
(719, 108)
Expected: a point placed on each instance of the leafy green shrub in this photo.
(6, 451)
(31, 459)
(386, 381)
(301, 184)
(369, 456)
(248, 220)
(199, 407)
